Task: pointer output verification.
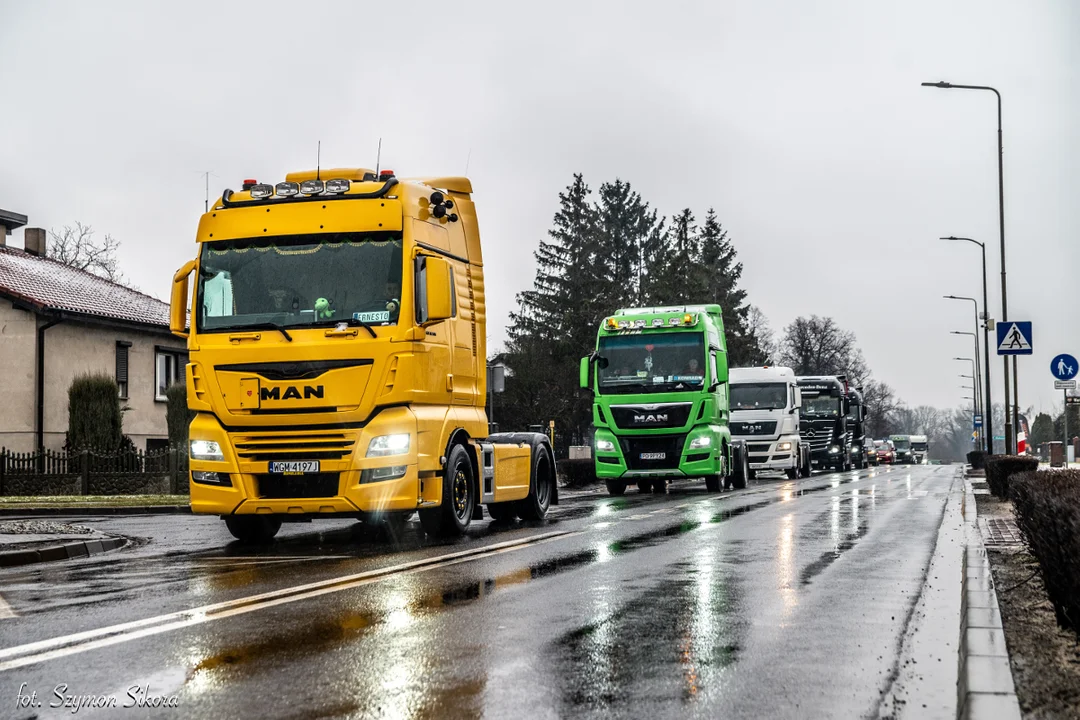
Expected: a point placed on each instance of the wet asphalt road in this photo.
(787, 599)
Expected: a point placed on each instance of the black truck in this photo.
(856, 416)
(823, 421)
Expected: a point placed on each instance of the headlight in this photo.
(605, 446)
(700, 442)
(783, 446)
(833, 450)
(206, 450)
(388, 445)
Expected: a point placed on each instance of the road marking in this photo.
(5, 610)
(42, 650)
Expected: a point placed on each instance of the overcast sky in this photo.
(802, 123)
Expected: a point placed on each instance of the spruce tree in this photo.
(625, 225)
(719, 273)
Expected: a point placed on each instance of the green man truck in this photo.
(659, 377)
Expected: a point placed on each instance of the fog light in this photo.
(262, 190)
(285, 189)
(384, 473)
(210, 478)
(337, 186)
(312, 187)
(605, 446)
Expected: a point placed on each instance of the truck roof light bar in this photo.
(263, 199)
(337, 186)
(286, 189)
(259, 190)
(312, 187)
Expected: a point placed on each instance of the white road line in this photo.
(5, 610)
(35, 652)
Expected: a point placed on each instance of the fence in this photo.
(88, 472)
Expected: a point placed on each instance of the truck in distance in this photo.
(920, 449)
(659, 378)
(823, 421)
(902, 445)
(856, 416)
(765, 404)
(337, 359)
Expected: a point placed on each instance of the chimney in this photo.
(34, 241)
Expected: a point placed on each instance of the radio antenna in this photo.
(318, 162)
(378, 157)
(467, 159)
(206, 202)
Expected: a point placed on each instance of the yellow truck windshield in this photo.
(300, 280)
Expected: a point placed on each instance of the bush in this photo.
(1048, 514)
(999, 468)
(177, 415)
(95, 420)
(977, 459)
(577, 473)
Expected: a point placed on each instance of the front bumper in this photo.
(681, 461)
(336, 489)
(764, 455)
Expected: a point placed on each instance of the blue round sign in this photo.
(1064, 367)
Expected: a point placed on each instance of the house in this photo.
(57, 322)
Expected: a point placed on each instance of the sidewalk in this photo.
(93, 505)
(23, 542)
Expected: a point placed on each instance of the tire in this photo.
(644, 486)
(541, 486)
(615, 487)
(714, 483)
(792, 473)
(253, 529)
(504, 512)
(742, 470)
(453, 516)
(659, 487)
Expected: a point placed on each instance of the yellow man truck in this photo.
(337, 359)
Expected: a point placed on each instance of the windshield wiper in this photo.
(351, 322)
(264, 326)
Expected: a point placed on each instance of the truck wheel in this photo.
(502, 512)
(253, 529)
(615, 487)
(792, 473)
(453, 516)
(742, 470)
(541, 487)
(659, 487)
(644, 486)
(713, 483)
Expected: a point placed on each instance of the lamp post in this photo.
(1001, 224)
(975, 305)
(978, 377)
(974, 390)
(987, 401)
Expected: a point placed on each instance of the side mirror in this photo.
(583, 372)
(435, 287)
(178, 304)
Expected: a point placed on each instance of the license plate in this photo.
(653, 456)
(294, 467)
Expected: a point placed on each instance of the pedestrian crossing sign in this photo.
(1014, 338)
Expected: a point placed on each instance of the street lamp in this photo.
(975, 305)
(988, 401)
(978, 375)
(974, 390)
(1001, 226)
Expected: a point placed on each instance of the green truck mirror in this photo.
(583, 372)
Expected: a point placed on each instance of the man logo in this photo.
(651, 418)
(291, 393)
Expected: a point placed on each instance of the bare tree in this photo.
(77, 247)
(758, 330)
(818, 346)
(881, 406)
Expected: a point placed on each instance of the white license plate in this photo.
(294, 467)
(653, 456)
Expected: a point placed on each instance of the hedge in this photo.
(977, 459)
(1047, 508)
(999, 468)
(95, 419)
(577, 473)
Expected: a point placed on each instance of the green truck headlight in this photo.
(605, 446)
(700, 442)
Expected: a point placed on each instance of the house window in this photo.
(122, 347)
(169, 369)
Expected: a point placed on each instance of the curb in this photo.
(105, 510)
(60, 552)
(985, 688)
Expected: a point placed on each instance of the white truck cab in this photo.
(765, 404)
(920, 449)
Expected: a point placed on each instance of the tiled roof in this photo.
(51, 285)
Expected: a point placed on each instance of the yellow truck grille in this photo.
(316, 446)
